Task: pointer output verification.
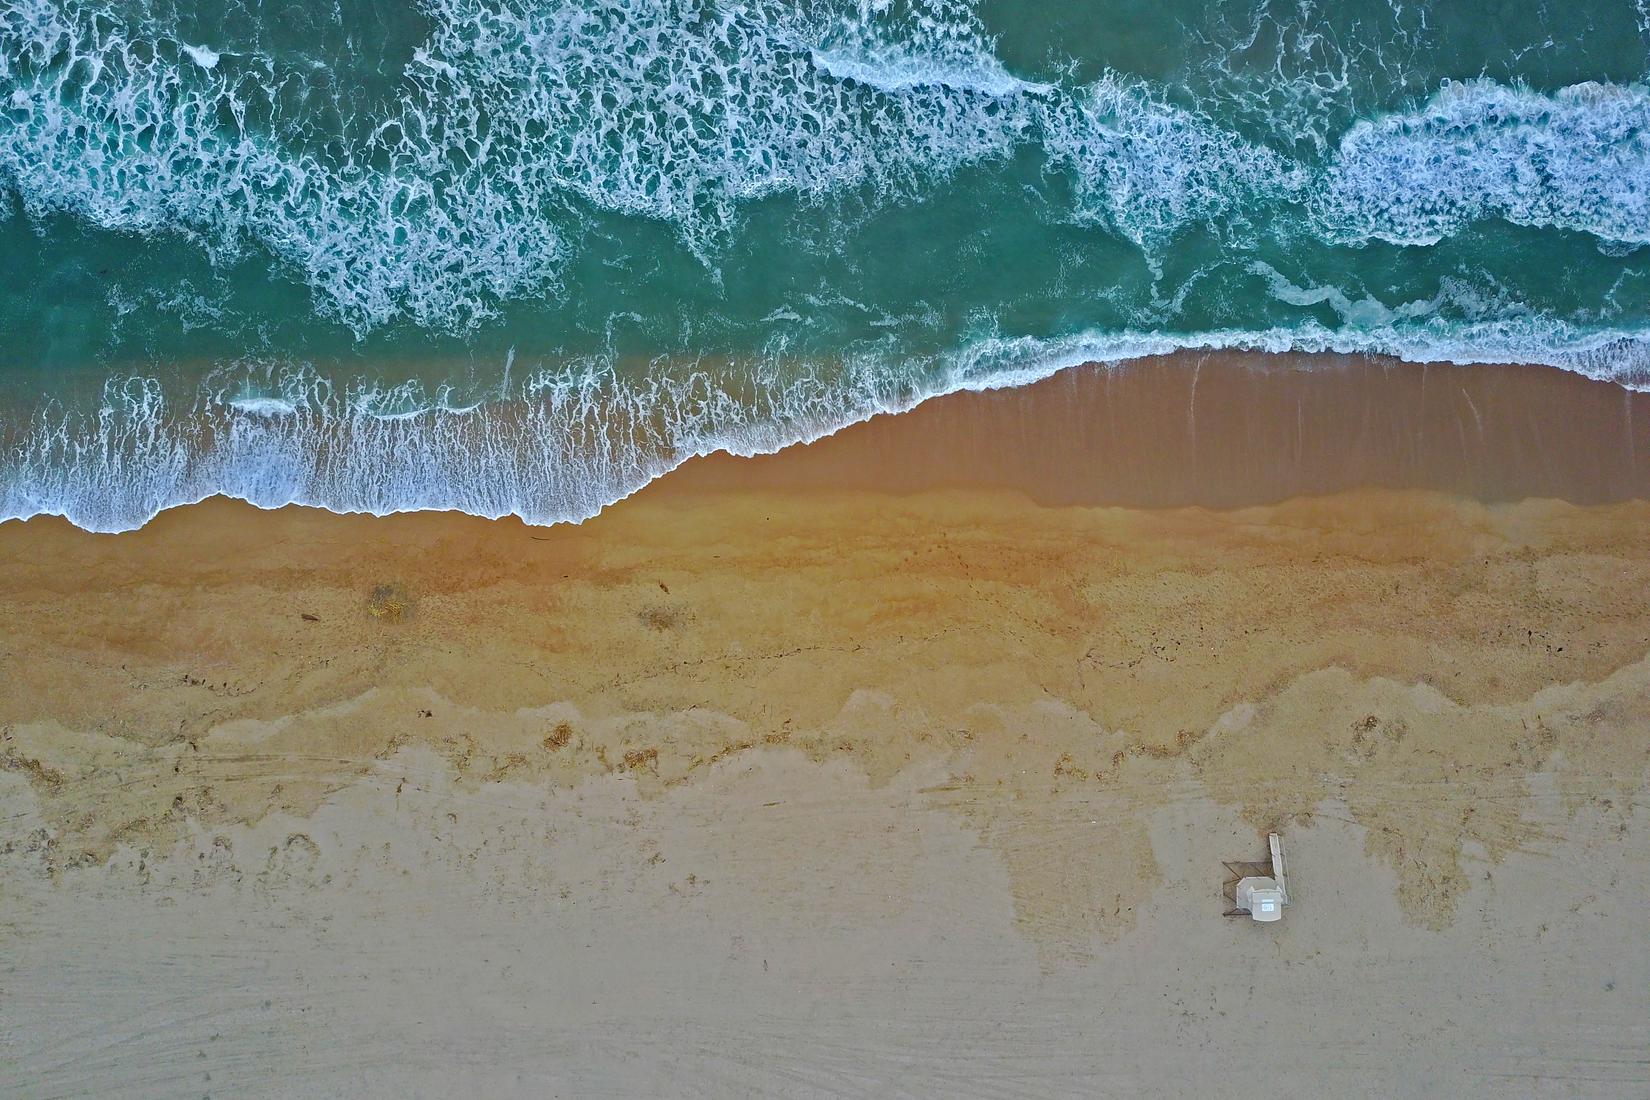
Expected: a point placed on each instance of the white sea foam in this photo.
(1148, 168)
(203, 56)
(262, 406)
(575, 439)
(1578, 159)
(463, 197)
(468, 190)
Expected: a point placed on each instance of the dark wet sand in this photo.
(1228, 430)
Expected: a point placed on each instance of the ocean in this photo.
(524, 256)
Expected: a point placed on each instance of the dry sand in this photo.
(771, 782)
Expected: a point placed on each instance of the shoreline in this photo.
(651, 791)
(1217, 430)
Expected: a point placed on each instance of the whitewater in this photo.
(523, 256)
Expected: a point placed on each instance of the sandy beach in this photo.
(900, 764)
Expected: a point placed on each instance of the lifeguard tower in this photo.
(1258, 889)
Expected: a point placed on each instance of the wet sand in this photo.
(1231, 430)
(899, 764)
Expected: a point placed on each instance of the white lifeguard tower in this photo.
(1258, 889)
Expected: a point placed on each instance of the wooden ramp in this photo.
(1237, 871)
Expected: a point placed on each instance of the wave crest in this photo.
(1578, 159)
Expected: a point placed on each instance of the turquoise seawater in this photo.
(522, 256)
